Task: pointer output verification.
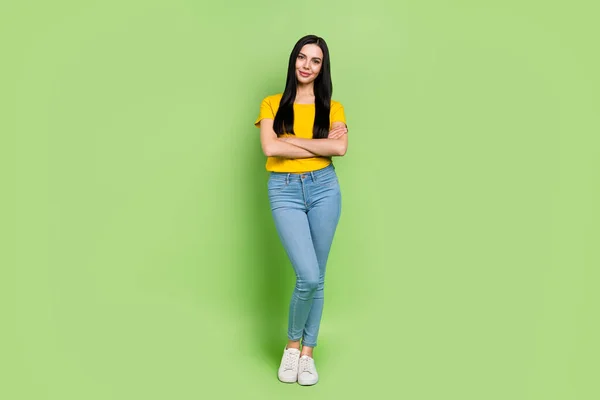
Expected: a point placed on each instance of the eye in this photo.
(317, 61)
(300, 56)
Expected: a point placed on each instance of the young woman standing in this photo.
(301, 130)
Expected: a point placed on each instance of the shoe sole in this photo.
(307, 384)
(287, 381)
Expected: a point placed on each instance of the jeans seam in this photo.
(292, 318)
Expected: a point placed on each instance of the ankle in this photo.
(306, 353)
(293, 345)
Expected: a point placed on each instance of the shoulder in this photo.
(335, 104)
(273, 99)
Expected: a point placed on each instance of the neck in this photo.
(305, 89)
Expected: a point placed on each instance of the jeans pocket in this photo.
(276, 185)
(328, 182)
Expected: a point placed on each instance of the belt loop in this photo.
(287, 179)
(312, 176)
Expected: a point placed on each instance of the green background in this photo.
(140, 259)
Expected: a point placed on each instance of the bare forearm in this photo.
(321, 147)
(281, 148)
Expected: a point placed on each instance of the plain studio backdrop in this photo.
(140, 259)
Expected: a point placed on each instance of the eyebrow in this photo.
(314, 58)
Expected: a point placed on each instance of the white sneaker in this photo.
(288, 370)
(307, 373)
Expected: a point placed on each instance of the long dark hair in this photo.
(284, 119)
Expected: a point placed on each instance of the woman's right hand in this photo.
(337, 132)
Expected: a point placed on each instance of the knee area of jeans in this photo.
(308, 285)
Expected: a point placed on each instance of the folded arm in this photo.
(321, 147)
(293, 147)
(334, 145)
(272, 146)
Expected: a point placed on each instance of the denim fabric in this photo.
(306, 208)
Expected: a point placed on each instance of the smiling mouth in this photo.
(304, 74)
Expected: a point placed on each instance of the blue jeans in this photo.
(306, 208)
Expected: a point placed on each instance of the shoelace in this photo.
(305, 365)
(290, 360)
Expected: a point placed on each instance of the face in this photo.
(308, 63)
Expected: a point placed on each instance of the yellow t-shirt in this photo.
(304, 118)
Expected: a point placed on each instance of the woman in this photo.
(301, 129)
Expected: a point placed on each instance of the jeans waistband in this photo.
(315, 175)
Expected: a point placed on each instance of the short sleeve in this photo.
(266, 111)
(337, 113)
